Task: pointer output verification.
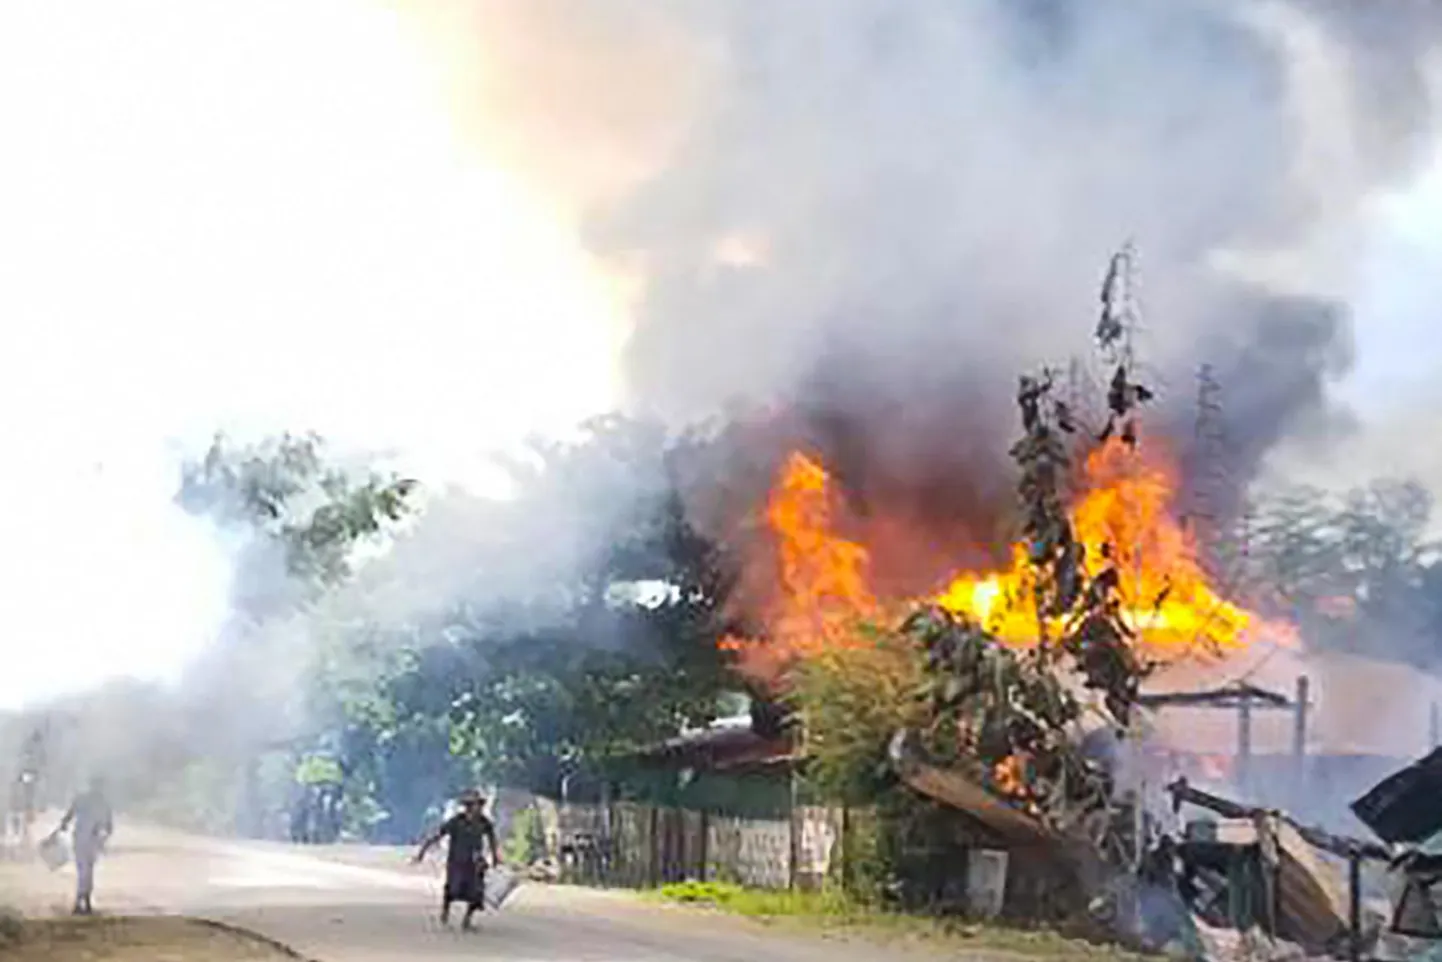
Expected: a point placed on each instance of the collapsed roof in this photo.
(1403, 808)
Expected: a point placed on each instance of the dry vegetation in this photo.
(130, 940)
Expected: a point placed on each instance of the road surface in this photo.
(370, 905)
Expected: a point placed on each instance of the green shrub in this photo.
(525, 844)
(851, 699)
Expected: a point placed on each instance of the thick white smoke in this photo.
(927, 193)
(254, 217)
(425, 229)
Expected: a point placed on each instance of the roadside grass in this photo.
(833, 911)
(102, 939)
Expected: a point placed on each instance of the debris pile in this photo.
(1008, 744)
(1405, 811)
(1295, 890)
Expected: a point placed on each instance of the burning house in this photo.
(1068, 679)
(1044, 687)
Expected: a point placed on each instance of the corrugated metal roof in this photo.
(723, 747)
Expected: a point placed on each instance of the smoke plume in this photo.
(877, 214)
(868, 215)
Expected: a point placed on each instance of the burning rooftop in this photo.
(1123, 512)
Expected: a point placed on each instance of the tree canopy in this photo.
(1359, 570)
(576, 620)
(287, 497)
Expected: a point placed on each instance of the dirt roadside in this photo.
(154, 939)
(35, 925)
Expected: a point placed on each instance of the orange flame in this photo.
(1010, 775)
(1011, 779)
(1122, 516)
(823, 576)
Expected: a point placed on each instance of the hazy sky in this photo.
(251, 216)
(1399, 303)
(1394, 386)
(259, 215)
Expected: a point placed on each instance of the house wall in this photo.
(634, 844)
(934, 844)
(637, 845)
(747, 794)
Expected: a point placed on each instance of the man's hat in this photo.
(472, 796)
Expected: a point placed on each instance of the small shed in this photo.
(1040, 880)
(727, 768)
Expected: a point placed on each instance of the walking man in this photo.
(468, 832)
(21, 813)
(24, 792)
(92, 821)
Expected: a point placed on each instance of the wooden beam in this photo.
(1343, 846)
(1231, 696)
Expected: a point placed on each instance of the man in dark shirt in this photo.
(93, 822)
(469, 833)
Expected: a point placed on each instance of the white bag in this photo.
(501, 882)
(54, 853)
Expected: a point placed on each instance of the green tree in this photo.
(1357, 570)
(941, 682)
(610, 671)
(299, 519)
(285, 493)
(587, 623)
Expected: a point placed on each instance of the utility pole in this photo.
(1244, 741)
(1299, 738)
(1222, 548)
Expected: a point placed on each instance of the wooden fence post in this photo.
(793, 855)
(1354, 907)
(655, 866)
(705, 845)
(793, 858)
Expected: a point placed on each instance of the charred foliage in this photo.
(1019, 721)
(1016, 719)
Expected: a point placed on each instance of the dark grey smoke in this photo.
(881, 212)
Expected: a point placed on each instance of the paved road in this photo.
(369, 905)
